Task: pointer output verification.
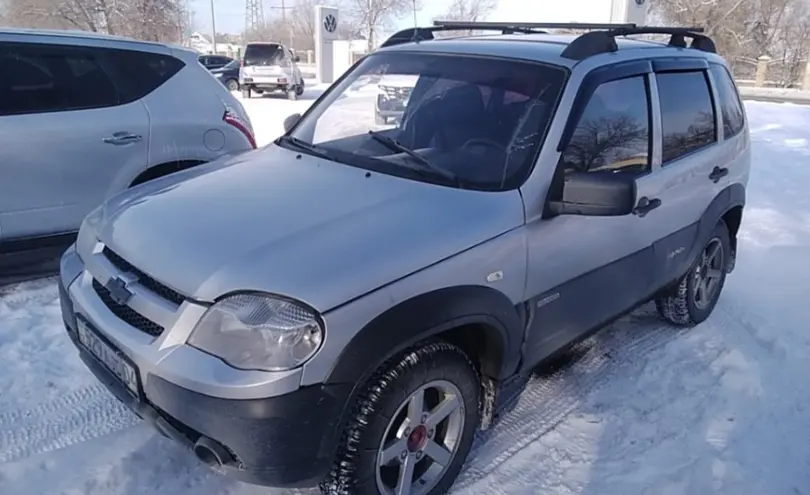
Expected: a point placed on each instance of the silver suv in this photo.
(85, 116)
(343, 306)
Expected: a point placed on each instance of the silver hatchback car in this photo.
(344, 306)
(86, 116)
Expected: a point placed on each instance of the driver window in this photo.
(613, 133)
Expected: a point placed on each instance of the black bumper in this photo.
(287, 441)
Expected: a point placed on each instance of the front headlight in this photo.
(259, 332)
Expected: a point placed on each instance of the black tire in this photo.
(682, 304)
(355, 467)
(232, 85)
(246, 93)
(299, 90)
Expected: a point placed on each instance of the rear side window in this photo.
(263, 54)
(140, 73)
(39, 78)
(613, 133)
(730, 106)
(687, 113)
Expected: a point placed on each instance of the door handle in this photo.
(646, 205)
(121, 138)
(718, 173)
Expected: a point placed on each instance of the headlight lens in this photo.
(258, 332)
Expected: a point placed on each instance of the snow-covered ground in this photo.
(646, 409)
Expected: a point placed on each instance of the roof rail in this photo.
(600, 39)
(596, 42)
(416, 34)
(532, 26)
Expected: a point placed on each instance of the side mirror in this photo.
(296, 58)
(598, 194)
(290, 121)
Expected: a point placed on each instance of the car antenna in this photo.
(415, 37)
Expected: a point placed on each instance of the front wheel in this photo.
(232, 85)
(693, 299)
(299, 90)
(412, 427)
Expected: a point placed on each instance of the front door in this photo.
(583, 271)
(64, 137)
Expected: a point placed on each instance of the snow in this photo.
(642, 408)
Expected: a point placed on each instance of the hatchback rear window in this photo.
(264, 54)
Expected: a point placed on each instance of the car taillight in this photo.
(231, 118)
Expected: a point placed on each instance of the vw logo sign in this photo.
(330, 23)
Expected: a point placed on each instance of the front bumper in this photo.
(288, 440)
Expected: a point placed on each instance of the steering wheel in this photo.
(484, 142)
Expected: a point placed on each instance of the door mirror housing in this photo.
(598, 194)
(290, 121)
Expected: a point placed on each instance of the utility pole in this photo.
(213, 28)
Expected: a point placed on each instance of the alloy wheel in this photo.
(421, 440)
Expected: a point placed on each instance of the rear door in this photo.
(66, 132)
(262, 62)
(688, 152)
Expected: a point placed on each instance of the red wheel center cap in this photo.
(418, 438)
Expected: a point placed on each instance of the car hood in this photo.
(287, 223)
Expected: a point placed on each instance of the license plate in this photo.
(111, 358)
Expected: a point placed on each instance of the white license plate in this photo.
(108, 356)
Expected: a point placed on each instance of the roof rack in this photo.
(596, 42)
(600, 39)
(416, 34)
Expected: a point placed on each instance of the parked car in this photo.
(228, 75)
(85, 116)
(392, 98)
(345, 310)
(270, 67)
(211, 62)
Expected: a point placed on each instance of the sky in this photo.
(230, 14)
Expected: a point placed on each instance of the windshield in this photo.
(479, 121)
(233, 64)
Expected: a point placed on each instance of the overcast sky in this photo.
(230, 14)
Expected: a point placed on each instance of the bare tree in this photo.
(745, 30)
(373, 16)
(157, 20)
(466, 10)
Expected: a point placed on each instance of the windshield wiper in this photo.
(303, 145)
(395, 145)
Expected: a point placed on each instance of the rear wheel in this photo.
(412, 428)
(693, 299)
(232, 85)
(299, 90)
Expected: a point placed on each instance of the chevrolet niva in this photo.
(341, 307)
